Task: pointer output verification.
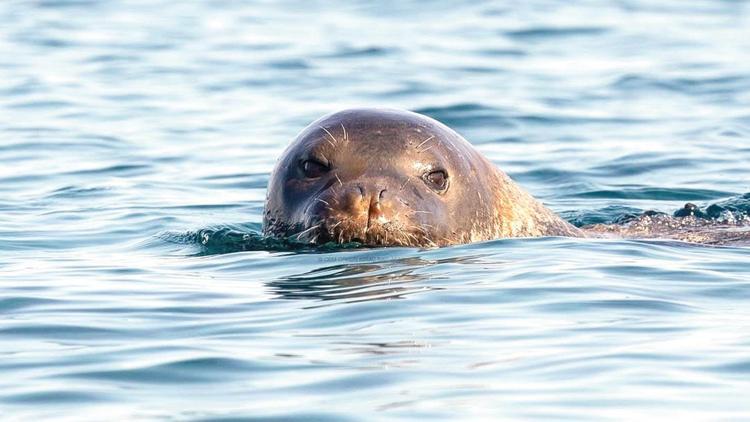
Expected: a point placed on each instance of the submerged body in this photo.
(390, 177)
(708, 231)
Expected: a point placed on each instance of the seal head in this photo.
(386, 177)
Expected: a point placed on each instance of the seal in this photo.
(385, 177)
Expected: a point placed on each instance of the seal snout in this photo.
(371, 201)
(363, 212)
(376, 212)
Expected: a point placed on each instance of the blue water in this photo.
(135, 146)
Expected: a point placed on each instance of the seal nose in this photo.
(361, 198)
(375, 212)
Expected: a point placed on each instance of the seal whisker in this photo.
(337, 178)
(423, 142)
(332, 137)
(448, 144)
(346, 137)
(323, 201)
(408, 179)
(335, 225)
(303, 232)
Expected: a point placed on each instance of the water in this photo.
(135, 147)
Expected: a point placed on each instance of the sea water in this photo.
(136, 141)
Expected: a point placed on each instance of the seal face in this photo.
(387, 177)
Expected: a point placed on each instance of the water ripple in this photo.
(136, 146)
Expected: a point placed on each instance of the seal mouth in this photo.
(373, 234)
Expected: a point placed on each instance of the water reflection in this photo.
(357, 281)
(122, 120)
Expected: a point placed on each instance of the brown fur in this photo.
(375, 192)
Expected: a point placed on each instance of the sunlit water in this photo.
(135, 147)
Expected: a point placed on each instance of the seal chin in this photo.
(389, 234)
(339, 232)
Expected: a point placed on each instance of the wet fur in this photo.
(485, 203)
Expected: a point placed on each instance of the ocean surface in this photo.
(136, 141)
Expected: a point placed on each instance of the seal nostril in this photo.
(380, 196)
(361, 190)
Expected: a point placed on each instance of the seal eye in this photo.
(313, 169)
(437, 180)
